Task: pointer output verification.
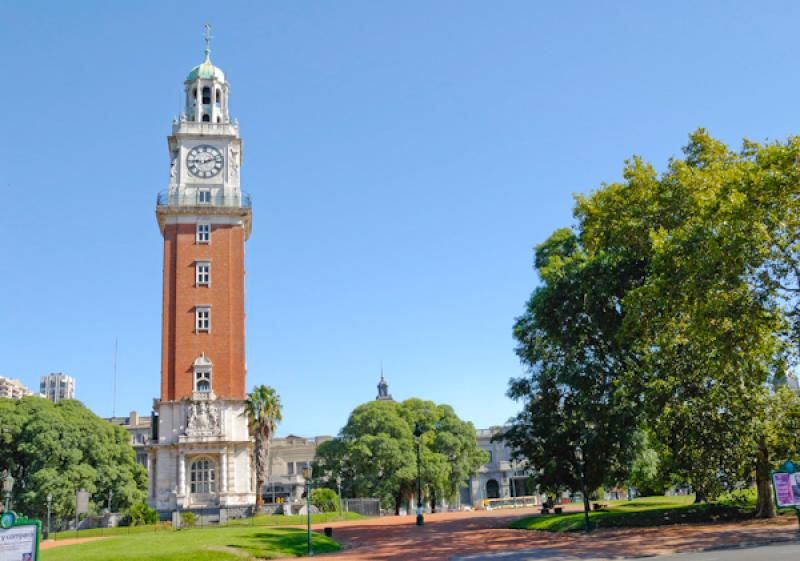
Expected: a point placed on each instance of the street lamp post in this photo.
(339, 487)
(418, 436)
(579, 456)
(8, 486)
(49, 506)
(307, 477)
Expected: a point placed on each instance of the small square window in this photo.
(203, 233)
(204, 196)
(202, 318)
(202, 271)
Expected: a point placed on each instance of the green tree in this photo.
(569, 340)
(700, 322)
(263, 411)
(375, 452)
(326, 500)
(61, 448)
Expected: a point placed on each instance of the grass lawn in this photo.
(210, 544)
(644, 511)
(260, 520)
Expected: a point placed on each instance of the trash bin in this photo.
(329, 532)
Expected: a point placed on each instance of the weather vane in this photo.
(208, 41)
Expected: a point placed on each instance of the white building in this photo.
(57, 386)
(13, 389)
(287, 458)
(501, 477)
(140, 429)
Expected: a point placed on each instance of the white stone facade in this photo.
(192, 431)
(501, 477)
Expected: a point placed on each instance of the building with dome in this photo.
(200, 453)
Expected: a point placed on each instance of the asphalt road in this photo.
(777, 552)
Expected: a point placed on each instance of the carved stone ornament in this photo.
(203, 419)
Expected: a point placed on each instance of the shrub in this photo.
(325, 500)
(188, 519)
(140, 514)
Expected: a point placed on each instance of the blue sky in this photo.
(404, 158)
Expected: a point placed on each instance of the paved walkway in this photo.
(478, 535)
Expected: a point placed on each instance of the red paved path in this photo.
(449, 535)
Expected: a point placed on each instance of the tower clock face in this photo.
(204, 161)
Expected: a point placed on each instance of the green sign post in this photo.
(786, 484)
(19, 538)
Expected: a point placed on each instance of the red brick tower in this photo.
(201, 458)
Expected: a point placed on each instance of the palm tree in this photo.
(263, 411)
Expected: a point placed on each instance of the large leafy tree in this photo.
(707, 258)
(569, 340)
(375, 452)
(263, 411)
(61, 448)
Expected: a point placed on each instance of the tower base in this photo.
(202, 458)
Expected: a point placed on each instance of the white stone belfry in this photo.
(201, 452)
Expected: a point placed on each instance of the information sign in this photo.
(786, 482)
(20, 542)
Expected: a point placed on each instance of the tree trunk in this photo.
(398, 500)
(699, 495)
(260, 452)
(765, 506)
(433, 501)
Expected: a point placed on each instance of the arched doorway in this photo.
(492, 489)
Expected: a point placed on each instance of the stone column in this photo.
(181, 474)
(223, 478)
(198, 112)
(151, 476)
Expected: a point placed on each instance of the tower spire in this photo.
(208, 38)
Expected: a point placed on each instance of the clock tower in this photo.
(201, 448)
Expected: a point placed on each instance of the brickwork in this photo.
(223, 345)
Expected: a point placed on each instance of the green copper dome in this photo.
(206, 71)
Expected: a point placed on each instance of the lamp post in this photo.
(49, 506)
(418, 436)
(579, 456)
(307, 477)
(8, 486)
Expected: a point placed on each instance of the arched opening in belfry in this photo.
(206, 118)
(492, 489)
(206, 96)
(218, 97)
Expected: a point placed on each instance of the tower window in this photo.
(218, 97)
(206, 118)
(219, 119)
(202, 271)
(203, 233)
(206, 96)
(202, 475)
(204, 196)
(202, 318)
(202, 381)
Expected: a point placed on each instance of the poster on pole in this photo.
(786, 482)
(19, 543)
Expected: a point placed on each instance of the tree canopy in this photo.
(672, 308)
(61, 448)
(375, 452)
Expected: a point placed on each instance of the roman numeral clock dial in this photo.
(204, 161)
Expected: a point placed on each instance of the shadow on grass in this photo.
(636, 515)
(284, 541)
